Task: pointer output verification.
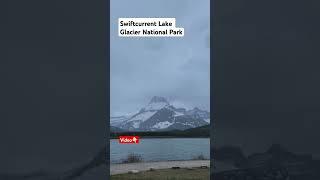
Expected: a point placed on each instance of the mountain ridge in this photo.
(159, 114)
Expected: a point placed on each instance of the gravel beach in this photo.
(144, 166)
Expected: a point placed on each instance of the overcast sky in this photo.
(175, 68)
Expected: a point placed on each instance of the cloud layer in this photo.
(176, 68)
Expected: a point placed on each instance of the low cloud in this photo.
(176, 68)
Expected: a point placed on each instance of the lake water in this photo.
(161, 149)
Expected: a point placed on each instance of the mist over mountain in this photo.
(159, 115)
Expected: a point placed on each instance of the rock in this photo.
(133, 171)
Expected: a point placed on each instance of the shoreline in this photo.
(145, 166)
(163, 161)
(154, 137)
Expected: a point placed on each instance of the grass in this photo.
(167, 174)
(132, 158)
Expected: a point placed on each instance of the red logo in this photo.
(129, 139)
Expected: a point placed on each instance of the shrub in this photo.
(199, 157)
(132, 158)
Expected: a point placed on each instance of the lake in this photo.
(161, 149)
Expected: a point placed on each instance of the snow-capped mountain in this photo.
(117, 120)
(158, 114)
(198, 113)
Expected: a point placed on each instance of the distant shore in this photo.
(198, 132)
(154, 137)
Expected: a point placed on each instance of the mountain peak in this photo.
(156, 103)
(158, 99)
